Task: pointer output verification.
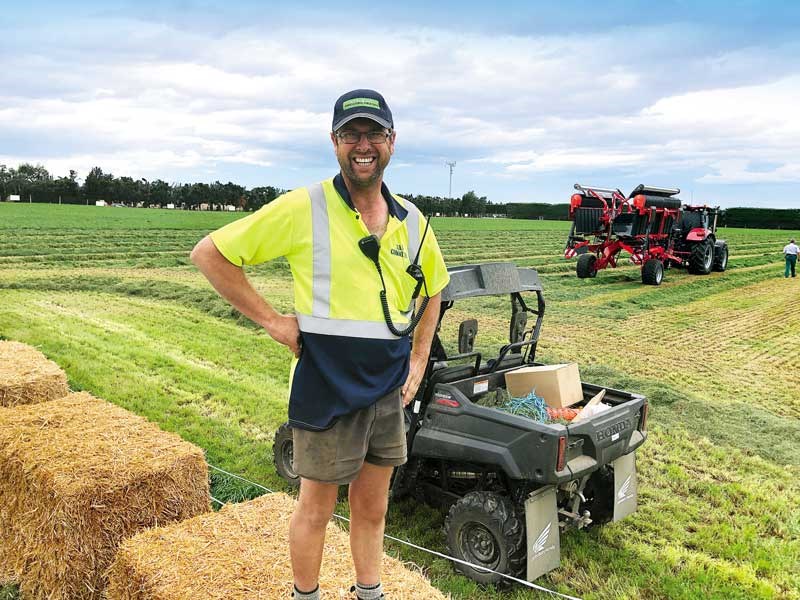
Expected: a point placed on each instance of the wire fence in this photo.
(408, 543)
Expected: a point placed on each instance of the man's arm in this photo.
(423, 337)
(232, 284)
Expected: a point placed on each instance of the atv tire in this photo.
(720, 258)
(702, 257)
(283, 453)
(483, 528)
(585, 266)
(652, 272)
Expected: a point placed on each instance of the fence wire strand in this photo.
(411, 544)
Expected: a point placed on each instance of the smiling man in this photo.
(349, 242)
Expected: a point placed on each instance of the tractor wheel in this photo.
(652, 272)
(483, 528)
(585, 267)
(720, 258)
(283, 453)
(702, 257)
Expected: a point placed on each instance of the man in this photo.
(351, 374)
(790, 251)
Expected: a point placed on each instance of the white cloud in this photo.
(139, 97)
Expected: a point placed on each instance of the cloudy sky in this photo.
(527, 98)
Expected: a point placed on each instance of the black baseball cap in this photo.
(367, 104)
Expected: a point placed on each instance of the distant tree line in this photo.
(762, 218)
(548, 212)
(470, 204)
(34, 183)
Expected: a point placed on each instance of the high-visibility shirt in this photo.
(349, 359)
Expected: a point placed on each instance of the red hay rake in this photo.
(650, 225)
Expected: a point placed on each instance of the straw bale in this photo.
(241, 553)
(79, 475)
(27, 376)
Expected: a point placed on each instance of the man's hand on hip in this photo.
(284, 329)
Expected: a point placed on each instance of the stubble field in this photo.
(110, 295)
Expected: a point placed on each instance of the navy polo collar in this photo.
(395, 208)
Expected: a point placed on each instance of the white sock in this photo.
(368, 592)
(312, 595)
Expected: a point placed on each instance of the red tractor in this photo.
(650, 225)
(696, 241)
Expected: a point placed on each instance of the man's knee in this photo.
(368, 506)
(316, 503)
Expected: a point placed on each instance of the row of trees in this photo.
(34, 183)
(762, 218)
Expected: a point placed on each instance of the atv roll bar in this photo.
(489, 279)
(492, 279)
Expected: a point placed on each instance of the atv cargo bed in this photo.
(455, 425)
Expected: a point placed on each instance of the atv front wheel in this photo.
(702, 257)
(585, 266)
(283, 453)
(483, 529)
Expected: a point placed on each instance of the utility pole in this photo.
(452, 166)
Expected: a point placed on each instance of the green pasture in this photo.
(110, 295)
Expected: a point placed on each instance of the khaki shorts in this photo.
(375, 434)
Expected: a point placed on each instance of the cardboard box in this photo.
(559, 385)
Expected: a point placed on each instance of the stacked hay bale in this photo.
(240, 553)
(79, 475)
(26, 376)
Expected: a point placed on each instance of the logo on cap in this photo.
(365, 102)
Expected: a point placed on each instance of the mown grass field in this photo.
(110, 295)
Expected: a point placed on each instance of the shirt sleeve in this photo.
(432, 261)
(262, 236)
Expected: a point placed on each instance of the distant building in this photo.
(170, 205)
(204, 207)
(13, 198)
(230, 208)
(100, 203)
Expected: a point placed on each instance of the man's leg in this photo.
(788, 267)
(368, 502)
(794, 265)
(307, 531)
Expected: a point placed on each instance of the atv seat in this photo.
(509, 361)
(448, 374)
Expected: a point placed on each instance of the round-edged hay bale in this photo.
(27, 376)
(79, 476)
(241, 553)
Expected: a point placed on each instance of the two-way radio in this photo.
(371, 248)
